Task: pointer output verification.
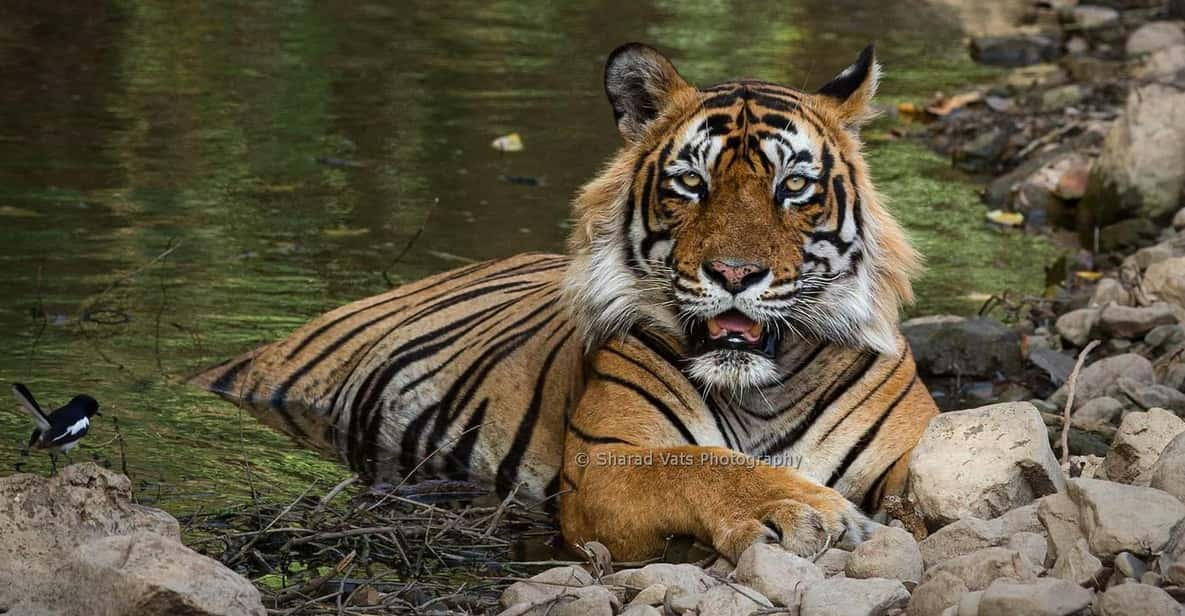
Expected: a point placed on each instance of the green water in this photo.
(136, 126)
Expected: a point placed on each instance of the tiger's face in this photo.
(740, 218)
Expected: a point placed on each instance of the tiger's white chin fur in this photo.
(732, 370)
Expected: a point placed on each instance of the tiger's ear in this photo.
(852, 89)
(639, 82)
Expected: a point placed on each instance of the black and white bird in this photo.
(62, 429)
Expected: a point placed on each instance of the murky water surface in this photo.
(181, 181)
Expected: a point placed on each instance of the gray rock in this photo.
(687, 576)
(776, 573)
(1164, 63)
(839, 596)
(1154, 35)
(1148, 397)
(1129, 322)
(1056, 364)
(1138, 444)
(1075, 326)
(1129, 565)
(833, 561)
(1117, 517)
(1091, 17)
(890, 553)
(1166, 281)
(1165, 337)
(1137, 600)
(1175, 376)
(1014, 51)
(969, 535)
(966, 347)
(1078, 565)
(1059, 515)
(982, 151)
(1171, 563)
(982, 463)
(82, 529)
(978, 569)
(651, 595)
(1041, 597)
(969, 604)
(1096, 378)
(1035, 546)
(941, 591)
(1168, 473)
(590, 601)
(1138, 171)
(641, 610)
(731, 600)
(1104, 410)
(1110, 291)
(1153, 254)
(555, 588)
(679, 600)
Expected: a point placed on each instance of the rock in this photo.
(981, 152)
(1175, 376)
(82, 528)
(1138, 444)
(1096, 378)
(1059, 515)
(1013, 51)
(1165, 337)
(1154, 35)
(839, 596)
(1035, 546)
(1105, 410)
(969, 604)
(777, 574)
(1041, 597)
(570, 581)
(641, 610)
(679, 600)
(1078, 565)
(1056, 364)
(1059, 97)
(966, 347)
(978, 569)
(1164, 63)
(1117, 517)
(890, 553)
(1137, 600)
(687, 576)
(1138, 171)
(1166, 281)
(1171, 563)
(1153, 254)
(731, 600)
(1091, 17)
(1127, 235)
(1168, 473)
(982, 463)
(833, 561)
(939, 592)
(651, 595)
(1128, 322)
(1153, 396)
(969, 535)
(1110, 291)
(1075, 326)
(1179, 219)
(1129, 565)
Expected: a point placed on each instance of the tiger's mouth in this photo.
(733, 331)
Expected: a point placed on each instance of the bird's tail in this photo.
(25, 397)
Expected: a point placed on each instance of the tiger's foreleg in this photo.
(632, 498)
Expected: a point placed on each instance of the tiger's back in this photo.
(467, 374)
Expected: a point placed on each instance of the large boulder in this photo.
(1139, 170)
(82, 529)
(963, 347)
(982, 462)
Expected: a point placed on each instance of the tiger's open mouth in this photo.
(733, 331)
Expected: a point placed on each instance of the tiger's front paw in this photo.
(800, 528)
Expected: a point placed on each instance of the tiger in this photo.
(717, 355)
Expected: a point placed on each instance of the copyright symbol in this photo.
(581, 460)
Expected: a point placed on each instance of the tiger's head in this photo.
(740, 218)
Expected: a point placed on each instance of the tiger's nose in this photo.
(734, 275)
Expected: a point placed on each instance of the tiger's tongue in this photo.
(733, 322)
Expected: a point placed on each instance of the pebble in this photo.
(778, 574)
(731, 600)
(890, 553)
(839, 596)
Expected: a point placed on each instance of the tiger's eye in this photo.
(691, 180)
(795, 183)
